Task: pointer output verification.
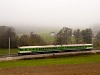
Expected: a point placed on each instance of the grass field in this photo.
(6, 51)
(47, 37)
(78, 65)
(95, 58)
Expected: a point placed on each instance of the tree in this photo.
(97, 41)
(87, 35)
(77, 35)
(35, 40)
(13, 37)
(64, 36)
(6, 33)
(24, 40)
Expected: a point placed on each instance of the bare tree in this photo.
(5, 33)
(77, 35)
(64, 36)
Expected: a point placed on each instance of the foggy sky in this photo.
(50, 13)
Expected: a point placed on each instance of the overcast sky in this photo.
(50, 13)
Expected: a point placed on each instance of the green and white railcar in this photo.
(53, 48)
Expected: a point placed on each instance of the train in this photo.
(53, 48)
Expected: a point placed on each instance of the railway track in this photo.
(16, 57)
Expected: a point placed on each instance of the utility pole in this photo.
(9, 46)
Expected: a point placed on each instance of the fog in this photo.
(45, 15)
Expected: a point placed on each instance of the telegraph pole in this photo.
(9, 46)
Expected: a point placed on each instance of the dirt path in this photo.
(83, 69)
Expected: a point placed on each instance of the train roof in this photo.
(46, 46)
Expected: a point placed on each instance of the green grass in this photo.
(95, 58)
(47, 37)
(6, 51)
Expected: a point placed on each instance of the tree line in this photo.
(68, 36)
(15, 40)
(64, 36)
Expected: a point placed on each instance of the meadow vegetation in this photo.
(83, 59)
(6, 51)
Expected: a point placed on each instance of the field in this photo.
(6, 51)
(47, 37)
(81, 69)
(78, 65)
